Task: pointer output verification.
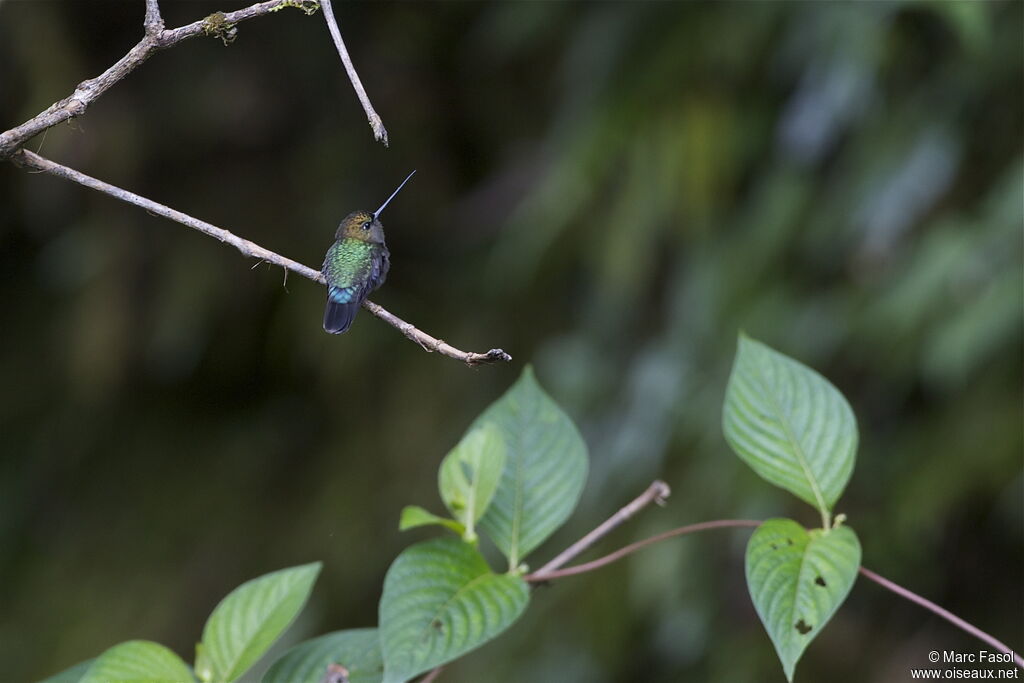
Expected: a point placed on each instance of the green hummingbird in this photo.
(355, 265)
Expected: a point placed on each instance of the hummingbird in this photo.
(355, 265)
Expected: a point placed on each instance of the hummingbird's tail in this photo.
(338, 315)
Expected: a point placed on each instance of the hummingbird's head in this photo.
(365, 226)
(361, 225)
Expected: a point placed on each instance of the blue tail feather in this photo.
(340, 310)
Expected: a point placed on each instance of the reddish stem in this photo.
(942, 612)
(541, 576)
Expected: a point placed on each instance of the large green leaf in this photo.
(440, 601)
(789, 424)
(545, 468)
(138, 661)
(249, 620)
(470, 474)
(797, 580)
(72, 674)
(358, 650)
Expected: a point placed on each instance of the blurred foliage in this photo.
(610, 190)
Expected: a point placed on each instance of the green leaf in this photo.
(797, 580)
(545, 469)
(790, 425)
(470, 474)
(138, 661)
(358, 650)
(73, 674)
(440, 601)
(414, 516)
(250, 619)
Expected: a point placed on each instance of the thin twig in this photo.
(942, 612)
(657, 492)
(433, 675)
(379, 132)
(32, 160)
(540, 576)
(90, 90)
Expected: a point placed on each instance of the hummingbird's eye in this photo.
(366, 225)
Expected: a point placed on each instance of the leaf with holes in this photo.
(470, 473)
(797, 580)
(138, 660)
(356, 650)
(789, 424)
(545, 468)
(247, 622)
(440, 601)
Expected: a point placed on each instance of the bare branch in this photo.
(153, 23)
(431, 344)
(379, 132)
(77, 102)
(657, 492)
(26, 158)
(203, 26)
(89, 90)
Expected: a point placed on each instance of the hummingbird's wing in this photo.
(353, 269)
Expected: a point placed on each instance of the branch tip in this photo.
(376, 124)
(661, 491)
(657, 492)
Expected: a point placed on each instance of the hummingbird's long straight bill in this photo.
(388, 200)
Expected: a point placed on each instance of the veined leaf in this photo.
(470, 473)
(247, 622)
(545, 468)
(414, 516)
(440, 601)
(790, 425)
(138, 661)
(797, 580)
(357, 650)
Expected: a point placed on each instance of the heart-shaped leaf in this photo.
(414, 516)
(135, 661)
(357, 650)
(470, 474)
(790, 425)
(545, 468)
(440, 601)
(248, 621)
(72, 674)
(797, 580)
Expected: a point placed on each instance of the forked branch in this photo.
(553, 571)
(156, 37)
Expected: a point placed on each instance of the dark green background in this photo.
(609, 191)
